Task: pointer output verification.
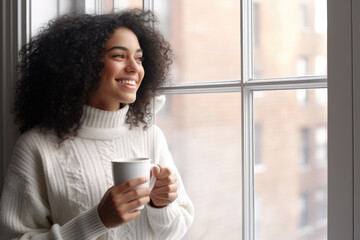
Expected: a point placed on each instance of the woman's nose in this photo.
(132, 66)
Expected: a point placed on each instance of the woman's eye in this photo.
(118, 56)
(140, 59)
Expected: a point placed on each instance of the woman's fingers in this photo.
(165, 189)
(115, 208)
(136, 194)
(163, 199)
(130, 184)
(165, 182)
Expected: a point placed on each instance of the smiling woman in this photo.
(122, 73)
(68, 61)
(82, 101)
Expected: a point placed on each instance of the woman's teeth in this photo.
(130, 82)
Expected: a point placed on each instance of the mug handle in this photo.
(153, 178)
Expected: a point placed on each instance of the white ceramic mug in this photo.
(125, 169)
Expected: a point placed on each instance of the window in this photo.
(302, 66)
(287, 150)
(110, 5)
(320, 65)
(320, 23)
(205, 143)
(305, 148)
(304, 17)
(257, 217)
(321, 206)
(226, 122)
(321, 97)
(321, 146)
(302, 97)
(304, 215)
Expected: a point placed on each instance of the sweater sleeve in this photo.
(172, 221)
(24, 208)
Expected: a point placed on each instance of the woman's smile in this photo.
(127, 82)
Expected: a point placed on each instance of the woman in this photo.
(83, 99)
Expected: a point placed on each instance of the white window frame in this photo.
(342, 175)
(343, 104)
(247, 86)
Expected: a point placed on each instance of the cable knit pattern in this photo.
(52, 190)
(107, 153)
(73, 177)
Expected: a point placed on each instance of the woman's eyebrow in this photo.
(122, 48)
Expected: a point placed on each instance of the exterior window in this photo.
(302, 66)
(304, 214)
(321, 146)
(305, 148)
(257, 217)
(321, 205)
(321, 97)
(304, 17)
(302, 97)
(320, 23)
(110, 5)
(320, 65)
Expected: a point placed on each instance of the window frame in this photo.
(246, 86)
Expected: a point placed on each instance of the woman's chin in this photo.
(128, 100)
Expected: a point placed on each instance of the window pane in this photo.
(292, 183)
(205, 36)
(110, 5)
(204, 136)
(289, 38)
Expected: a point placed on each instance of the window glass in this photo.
(205, 36)
(289, 38)
(110, 5)
(304, 211)
(321, 146)
(321, 206)
(305, 148)
(290, 191)
(204, 136)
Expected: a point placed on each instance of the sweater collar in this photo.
(97, 118)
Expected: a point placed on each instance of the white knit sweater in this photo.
(52, 190)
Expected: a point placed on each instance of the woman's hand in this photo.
(165, 188)
(115, 207)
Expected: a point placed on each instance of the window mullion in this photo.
(247, 164)
(247, 122)
(246, 41)
(148, 5)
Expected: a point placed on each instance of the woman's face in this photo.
(122, 73)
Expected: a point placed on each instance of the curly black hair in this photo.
(60, 68)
